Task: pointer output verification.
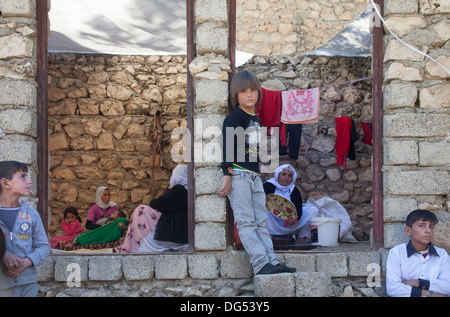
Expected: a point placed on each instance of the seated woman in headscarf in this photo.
(101, 210)
(164, 225)
(283, 183)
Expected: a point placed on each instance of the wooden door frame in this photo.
(42, 114)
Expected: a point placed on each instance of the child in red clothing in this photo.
(71, 227)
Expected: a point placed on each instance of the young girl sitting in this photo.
(71, 226)
(101, 210)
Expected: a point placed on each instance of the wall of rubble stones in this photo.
(101, 110)
(318, 174)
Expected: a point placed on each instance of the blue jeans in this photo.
(248, 201)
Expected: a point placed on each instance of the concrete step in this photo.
(299, 284)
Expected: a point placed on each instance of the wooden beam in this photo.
(377, 60)
(42, 116)
(190, 29)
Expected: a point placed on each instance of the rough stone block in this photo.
(275, 285)
(213, 94)
(19, 149)
(18, 121)
(394, 234)
(434, 154)
(203, 266)
(17, 8)
(302, 262)
(105, 268)
(212, 37)
(312, 284)
(398, 182)
(437, 96)
(416, 125)
(335, 264)
(15, 46)
(236, 264)
(397, 208)
(138, 267)
(208, 180)
(46, 270)
(206, 10)
(67, 265)
(210, 236)
(358, 262)
(16, 92)
(171, 267)
(401, 152)
(210, 208)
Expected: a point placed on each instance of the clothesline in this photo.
(347, 82)
(403, 42)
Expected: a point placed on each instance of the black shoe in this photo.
(286, 269)
(270, 269)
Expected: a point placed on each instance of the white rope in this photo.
(403, 42)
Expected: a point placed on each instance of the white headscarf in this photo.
(284, 191)
(98, 198)
(179, 176)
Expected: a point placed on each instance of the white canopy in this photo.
(146, 27)
(352, 41)
(128, 27)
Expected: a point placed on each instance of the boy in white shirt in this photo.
(418, 268)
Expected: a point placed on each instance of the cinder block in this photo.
(358, 262)
(302, 262)
(335, 264)
(203, 266)
(67, 265)
(210, 236)
(236, 264)
(105, 268)
(275, 285)
(171, 267)
(312, 284)
(138, 267)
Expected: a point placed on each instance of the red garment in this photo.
(269, 111)
(71, 230)
(343, 127)
(368, 133)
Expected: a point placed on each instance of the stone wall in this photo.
(318, 174)
(209, 274)
(416, 117)
(101, 108)
(291, 26)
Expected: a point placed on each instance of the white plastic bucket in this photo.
(325, 231)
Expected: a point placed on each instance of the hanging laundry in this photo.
(343, 127)
(294, 137)
(300, 106)
(269, 112)
(368, 132)
(353, 137)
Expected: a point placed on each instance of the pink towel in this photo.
(300, 106)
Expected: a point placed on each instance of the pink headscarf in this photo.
(143, 220)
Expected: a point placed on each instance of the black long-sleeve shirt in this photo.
(241, 139)
(173, 223)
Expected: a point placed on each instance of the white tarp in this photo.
(145, 27)
(352, 41)
(129, 27)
